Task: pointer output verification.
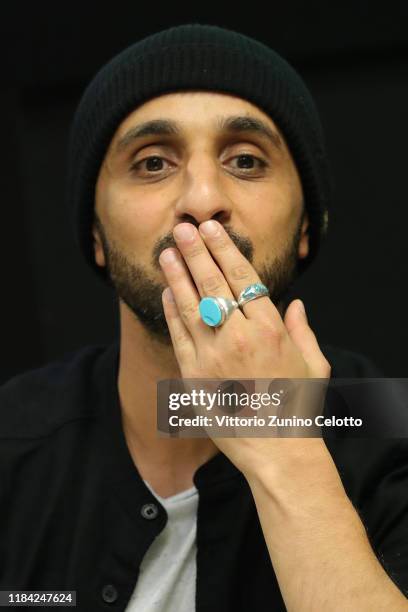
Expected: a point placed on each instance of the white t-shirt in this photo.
(167, 579)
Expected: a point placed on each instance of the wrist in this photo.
(298, 469)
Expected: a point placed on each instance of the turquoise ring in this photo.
(214, 311)
(252, 292)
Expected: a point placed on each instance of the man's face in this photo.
(194, 156)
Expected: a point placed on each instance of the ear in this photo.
(303, 250)
(98, 247)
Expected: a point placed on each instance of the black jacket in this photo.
(76, 515)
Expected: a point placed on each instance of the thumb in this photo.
(304, 338)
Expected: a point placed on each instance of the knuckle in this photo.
(222, 244)
(181, 339)
(272, 337)
(269, 332)
(189, 310)
(240, 272)
(194, 251)
(239, 343)
(212, 284)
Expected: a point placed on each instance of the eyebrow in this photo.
(235, 124)
(156, 127)
(249, 124)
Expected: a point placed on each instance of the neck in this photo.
(143, 361)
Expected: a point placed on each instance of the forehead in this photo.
(194, 111)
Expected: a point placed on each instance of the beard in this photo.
(139, 290)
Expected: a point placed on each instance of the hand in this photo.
(300, 500)
(254, 342)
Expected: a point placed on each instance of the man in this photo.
(197, 169)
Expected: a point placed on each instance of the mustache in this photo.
(243, 244)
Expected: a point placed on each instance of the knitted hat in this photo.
(194, 56)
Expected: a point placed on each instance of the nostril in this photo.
(219, 215)
(222, 216)
(190, 219)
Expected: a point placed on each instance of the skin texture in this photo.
(201, 178)
(298, 493)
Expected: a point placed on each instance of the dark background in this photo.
(353, 57)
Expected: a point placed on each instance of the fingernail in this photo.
(168, 295)
(184, 231)
(168, 256)
(209, 228)
(302, 309)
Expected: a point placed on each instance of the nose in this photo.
(202, 194)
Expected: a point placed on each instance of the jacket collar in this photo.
(122, 468)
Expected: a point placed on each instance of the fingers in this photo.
(185, 295)
(304, 339)
(238, 272)
(209, 264)
(209, 279)
(181, 338)
(229, 274)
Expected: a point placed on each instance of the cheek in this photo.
(273, 220)
(132, 219)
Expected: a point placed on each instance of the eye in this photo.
(246, 162)
(152, 164)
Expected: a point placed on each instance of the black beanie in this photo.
(194, 56)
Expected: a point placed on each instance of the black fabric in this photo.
(71, 497)
(186, 57)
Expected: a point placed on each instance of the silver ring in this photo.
(214, 311)
(252, 292)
